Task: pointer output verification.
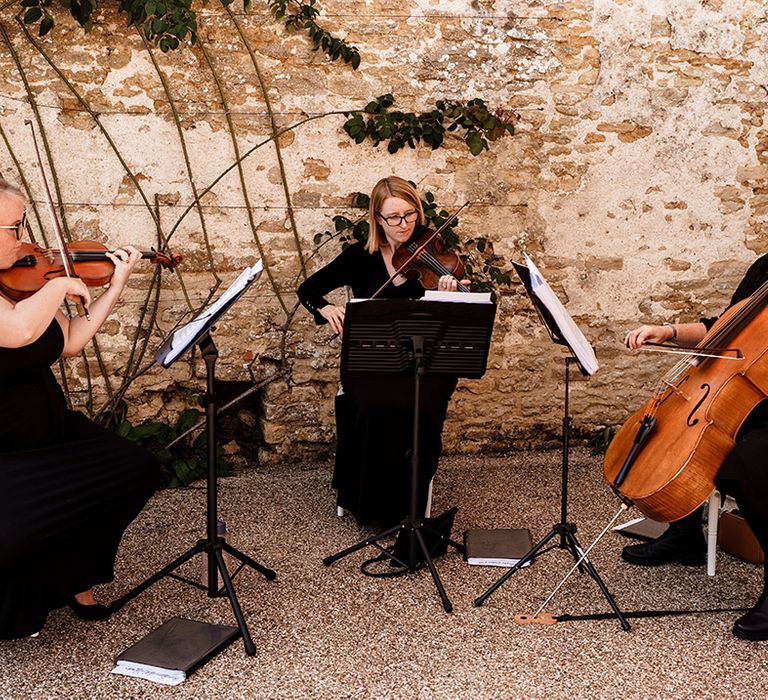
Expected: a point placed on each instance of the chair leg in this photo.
(428, 509)
(713, 516)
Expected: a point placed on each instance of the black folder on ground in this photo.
(497, 547)
(174, 650)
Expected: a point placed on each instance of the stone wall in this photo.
(637, 180)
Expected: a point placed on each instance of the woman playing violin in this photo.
(743, 474)
(68, 488)
(374, 415)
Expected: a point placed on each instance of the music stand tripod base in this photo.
(212, 545)
(563, 530)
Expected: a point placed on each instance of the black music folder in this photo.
(174, 650)
(496, 547)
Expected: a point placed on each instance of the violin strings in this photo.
(434, 264)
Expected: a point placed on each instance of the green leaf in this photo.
(123, 428)
(187, 419)
(32, 15)
(45, 26)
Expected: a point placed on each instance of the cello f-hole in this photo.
(706, 388)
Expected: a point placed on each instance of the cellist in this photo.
(743, 474)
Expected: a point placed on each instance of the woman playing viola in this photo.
(374, 416)
(743, 474)
(68, 488)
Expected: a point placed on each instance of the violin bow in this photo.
(66, 260)
(420, 249)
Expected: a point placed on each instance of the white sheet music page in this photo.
(460, 297)
(570, 331)
(183, 335)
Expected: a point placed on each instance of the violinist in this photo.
(743, 474)
(374, 416)
(68, 488)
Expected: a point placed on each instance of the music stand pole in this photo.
(376, 336)
(564, 530)
(212, 545)
(412, 523)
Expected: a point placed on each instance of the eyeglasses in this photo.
(18, 228)
(396, 219)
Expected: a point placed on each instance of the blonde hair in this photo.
(392, 186)
(9, 190)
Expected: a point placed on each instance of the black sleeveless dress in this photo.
(68, 490)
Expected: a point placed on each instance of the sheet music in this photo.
(185, 335)
(462, 297)
(570, 331)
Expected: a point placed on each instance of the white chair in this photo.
(713, 517)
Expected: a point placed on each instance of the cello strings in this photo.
(754, 302)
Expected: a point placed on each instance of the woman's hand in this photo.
(448, 283)
(335, 317)
(74, 289)
(124, 259)
(648, 334)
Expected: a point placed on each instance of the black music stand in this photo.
(564, 530)
(198, 332)
(394, 337)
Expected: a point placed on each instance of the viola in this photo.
(666, 455)
(37, 265)
(429, 265)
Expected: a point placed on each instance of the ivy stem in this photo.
(276, 140)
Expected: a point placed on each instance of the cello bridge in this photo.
(675, 389)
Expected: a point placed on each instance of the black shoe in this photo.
(754, 625)
(89, 612)
(682, 544)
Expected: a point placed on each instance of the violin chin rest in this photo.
(544, 618)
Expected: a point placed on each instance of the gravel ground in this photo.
(333, 633)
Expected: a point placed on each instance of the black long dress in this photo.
(374, 416)
(68, 490)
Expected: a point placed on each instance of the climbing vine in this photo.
(400, 129)
(166, 25)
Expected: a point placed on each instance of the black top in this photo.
(355, 267)
(32, 406)
(756, 276)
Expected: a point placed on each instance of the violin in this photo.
(429, 265)
(37, 265)
(666, 455)
(426, 259)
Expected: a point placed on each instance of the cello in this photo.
(665, 456)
